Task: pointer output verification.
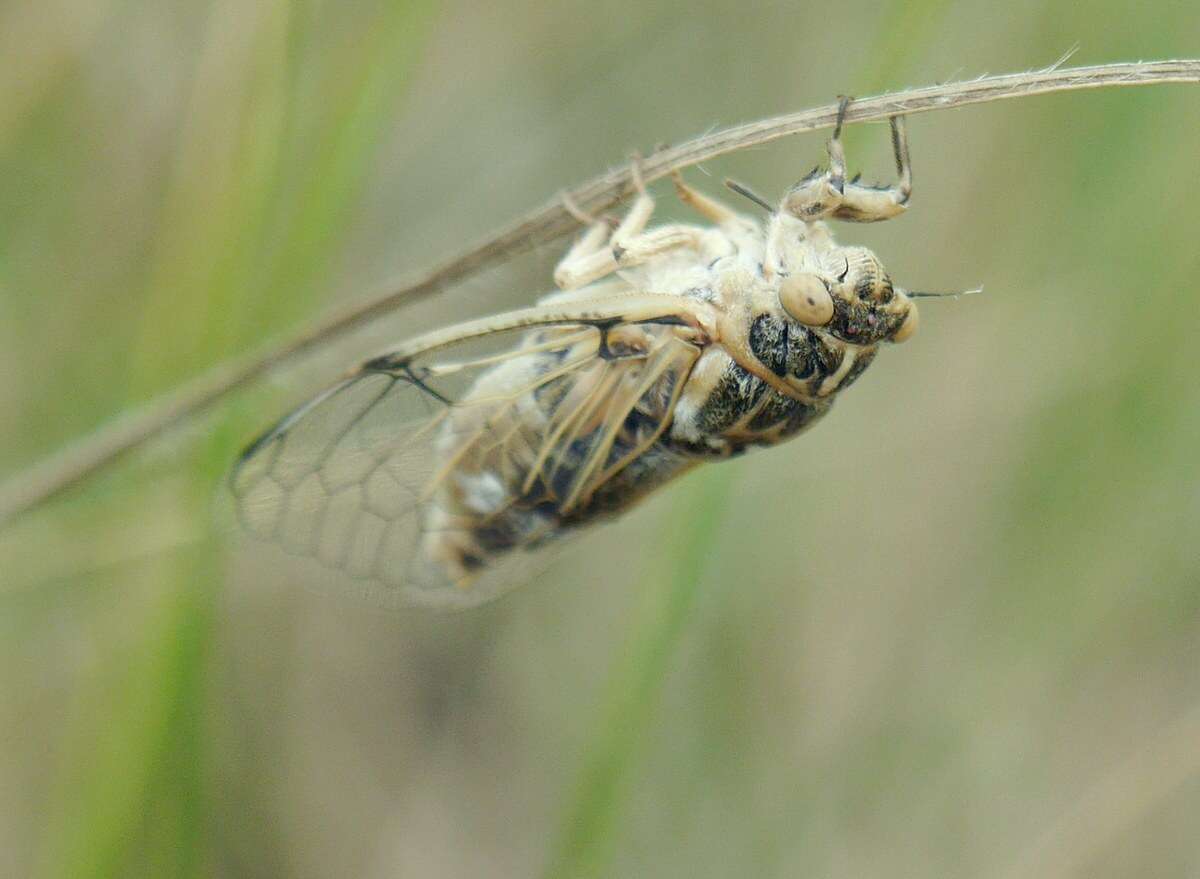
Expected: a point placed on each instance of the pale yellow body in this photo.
(665, 348)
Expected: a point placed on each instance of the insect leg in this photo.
(628, 253)
(589, 259)
(643, 207)
(636, 251)
(828, 194)
(580, 264)
(867, 204)
(574, 268)
(738, 227)
(819, 194)
(630, 245)
(705, 205)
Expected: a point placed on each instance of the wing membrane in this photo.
(385, 473)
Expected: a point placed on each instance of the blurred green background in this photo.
(955, 631)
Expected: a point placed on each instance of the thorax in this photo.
(765, 377)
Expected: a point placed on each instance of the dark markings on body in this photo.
(740, 404)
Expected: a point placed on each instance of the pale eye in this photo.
(806, 299)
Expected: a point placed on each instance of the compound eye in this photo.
(806, 299)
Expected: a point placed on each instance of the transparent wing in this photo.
(444, 482)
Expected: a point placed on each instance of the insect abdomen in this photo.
(498, 498)
(564, 457)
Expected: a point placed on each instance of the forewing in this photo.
(351, 478)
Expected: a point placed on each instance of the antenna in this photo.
(920, 295)
(746, 192)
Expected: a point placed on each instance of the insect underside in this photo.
(437, 474)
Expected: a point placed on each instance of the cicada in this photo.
(437, 473)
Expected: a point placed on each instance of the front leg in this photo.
(828, 194)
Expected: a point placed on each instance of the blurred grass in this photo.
(818, 676)
(587, 837)
(631, 696)
(276, 139)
